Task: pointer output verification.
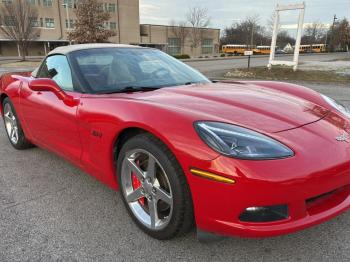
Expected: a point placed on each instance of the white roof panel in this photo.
(71, 48)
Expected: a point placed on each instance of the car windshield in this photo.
(109, 70)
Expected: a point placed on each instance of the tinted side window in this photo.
(57, 68)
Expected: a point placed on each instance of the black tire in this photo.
(182, 218)
(22, 142)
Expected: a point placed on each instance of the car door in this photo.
(51, 122)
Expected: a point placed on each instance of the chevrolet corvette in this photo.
(235, 158)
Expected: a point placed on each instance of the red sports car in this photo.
(252, 159)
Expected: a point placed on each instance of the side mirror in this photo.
(49, 85)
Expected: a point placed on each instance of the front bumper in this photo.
(315, 184)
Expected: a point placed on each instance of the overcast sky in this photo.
(226, 12)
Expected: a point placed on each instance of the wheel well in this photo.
(124, 136)
(2, 98)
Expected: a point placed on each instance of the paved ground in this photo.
(52, 211)
(213, 68)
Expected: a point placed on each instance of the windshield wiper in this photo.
(137, 89)
(129, 89)
(192, 83)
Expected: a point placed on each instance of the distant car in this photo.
(280, 52)
(252, 159)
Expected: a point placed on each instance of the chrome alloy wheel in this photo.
(146, 188)
(11, 123)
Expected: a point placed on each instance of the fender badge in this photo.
(96, 133)
(344, 137)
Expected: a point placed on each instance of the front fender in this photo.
(109, 117)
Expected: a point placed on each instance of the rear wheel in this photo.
(154, 188)
(13, 127)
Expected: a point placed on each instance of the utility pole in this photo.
(252, 37)
(332, 37)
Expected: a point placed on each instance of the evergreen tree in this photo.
(89, 27)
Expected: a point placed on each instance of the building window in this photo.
(34, 22)
(32, 2)
(144, 30)
(68, 2)
(71, 23)
(49, 23)
(207, 46)
(41, 22)
(112, 25)
(111, 8)
(10, 21)
(174, 46)
(7, 2)
(47, 2)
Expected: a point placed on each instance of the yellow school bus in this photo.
(238, 49)
(234, 49)
(263, 50)
(319, 48)
(305, 49)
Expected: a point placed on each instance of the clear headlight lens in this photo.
(238, 142)
(338, 106)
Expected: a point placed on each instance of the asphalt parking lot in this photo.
(52, 211)
(216, 67)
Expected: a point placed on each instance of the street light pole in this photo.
(67, 14)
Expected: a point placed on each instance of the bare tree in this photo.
(270, 25)
(314, 33)
(17, 20)
(90, 24)
(247, 32)
(180, 31)
(284, 38)
(198, 18)
(341, 35)
(252, 26)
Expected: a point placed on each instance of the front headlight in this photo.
(338, 106)
(239, 142)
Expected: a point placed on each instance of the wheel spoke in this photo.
(151, 168)
(153, 212)
(135, 195)
(135, 168)
(15, 135)
(12, 134)
(164, 196)
(7, 116)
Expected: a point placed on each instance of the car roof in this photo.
(71, 48)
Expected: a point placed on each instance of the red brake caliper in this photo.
(136, 183)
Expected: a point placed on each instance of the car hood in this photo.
(256, 107)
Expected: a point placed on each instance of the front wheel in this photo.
(13, 127)
(154, 188)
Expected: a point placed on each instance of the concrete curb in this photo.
(243, 57)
